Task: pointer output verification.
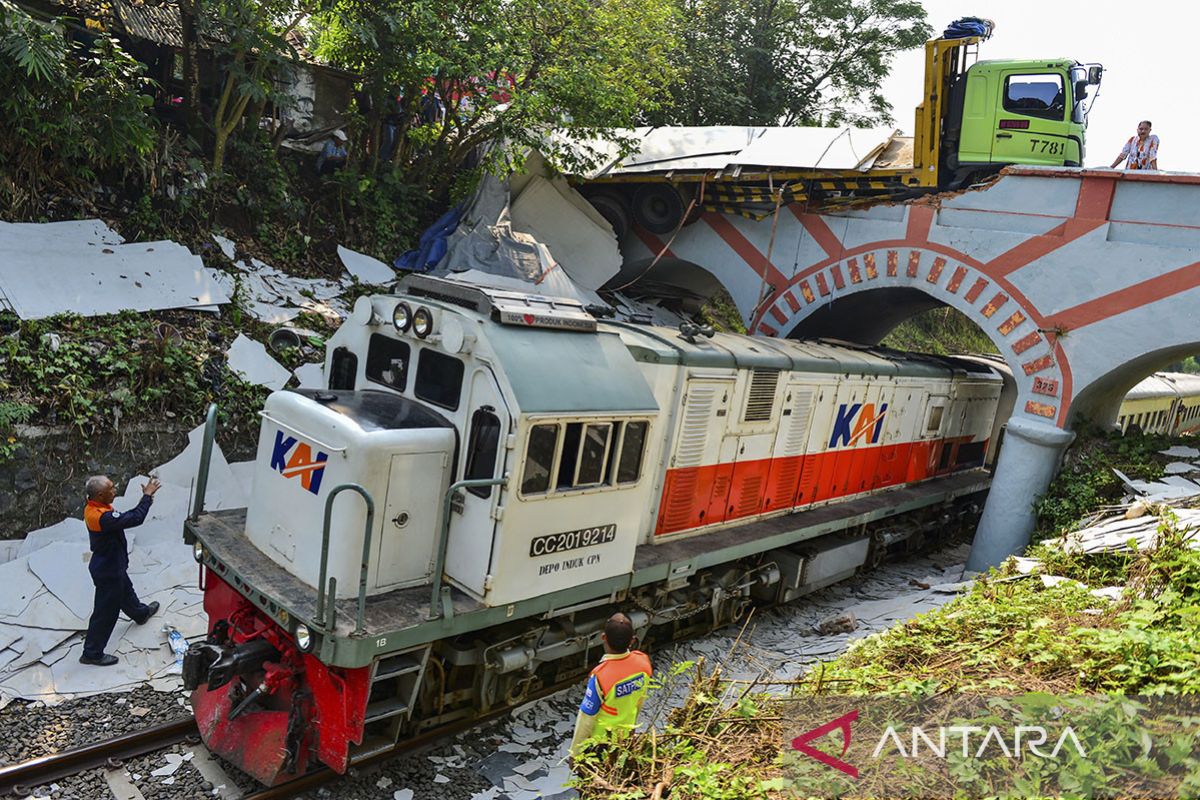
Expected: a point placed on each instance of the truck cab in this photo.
(1020, 112)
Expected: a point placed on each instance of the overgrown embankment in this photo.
(113, 394)
(1028, 639)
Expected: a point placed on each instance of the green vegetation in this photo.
(1036, 644)
(70, 114)
(941, 331)
(786, 62)
(1086, 483)
(110, 372)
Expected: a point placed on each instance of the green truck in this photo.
(975, 118)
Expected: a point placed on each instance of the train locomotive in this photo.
(441, 531)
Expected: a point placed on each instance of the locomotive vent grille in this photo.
(760, 400)
(693, 438)
(798, 426)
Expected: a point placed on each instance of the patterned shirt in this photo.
(1140, 153)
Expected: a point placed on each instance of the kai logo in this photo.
(857, 422)
(300, 462)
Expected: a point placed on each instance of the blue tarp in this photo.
(432, 246)
(969, 26)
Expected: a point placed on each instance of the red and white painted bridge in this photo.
(1085, 280)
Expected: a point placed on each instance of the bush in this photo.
(69, 113)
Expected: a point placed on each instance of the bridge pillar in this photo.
(1027, 463)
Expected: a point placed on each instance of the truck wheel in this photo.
(615, 210)
(659, 207)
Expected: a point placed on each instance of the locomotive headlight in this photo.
(198, 551)
(422, 322)
(402, 317)
(304, 639)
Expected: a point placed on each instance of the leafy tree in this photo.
(67, 112)
(250, 43)
(453, 75)
(787, 62)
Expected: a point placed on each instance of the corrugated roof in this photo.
(159, 24)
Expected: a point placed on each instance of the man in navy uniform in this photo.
(110, 564)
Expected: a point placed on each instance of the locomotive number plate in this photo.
(572, 540)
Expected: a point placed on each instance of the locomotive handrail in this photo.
(210, 435)
(439, 599)
(366, 558)
(323, 445)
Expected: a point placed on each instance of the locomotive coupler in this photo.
(217, 665)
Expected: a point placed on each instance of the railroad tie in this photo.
(121, 785)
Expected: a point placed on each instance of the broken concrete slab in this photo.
(181, 470)
(63, 569)
(69, 529)
(583, 249)
(93, 281)
(47, 611)
(364, 267)
(250, 360)
(311, 376)
(20, 587)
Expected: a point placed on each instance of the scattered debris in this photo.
(367, 269)
(48, 594)
(839, 623)
(1181, 451)
(93, 273)
(254, 364)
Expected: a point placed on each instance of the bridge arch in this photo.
(1086, 280)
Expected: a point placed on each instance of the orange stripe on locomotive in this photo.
(853, 461)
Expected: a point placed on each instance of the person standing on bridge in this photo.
(109, 565)
(616, 688)
(1141, 151)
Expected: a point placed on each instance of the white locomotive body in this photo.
(530, 468)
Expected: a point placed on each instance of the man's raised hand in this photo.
(150, 488)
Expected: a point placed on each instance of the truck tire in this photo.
(614, 207)
(659, 207)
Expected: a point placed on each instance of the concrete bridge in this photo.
(1085, 280)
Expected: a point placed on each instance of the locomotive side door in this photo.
(483, 453)
(791, 445)
(694, 471)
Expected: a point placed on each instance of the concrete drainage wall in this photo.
(43, 482)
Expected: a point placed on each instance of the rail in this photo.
(210, 435)
(20, 779)
(359, 628)
(440, 605)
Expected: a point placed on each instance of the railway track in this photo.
(19, 780)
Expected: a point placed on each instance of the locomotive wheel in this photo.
(659, 207)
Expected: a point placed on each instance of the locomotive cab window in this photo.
(387, 361)
(633, 441)
(1035, 95)
(592, 459)
(539, 459)
(439, 379)
(587, 455)
(343, 371)
(482, 447)
(934, 424)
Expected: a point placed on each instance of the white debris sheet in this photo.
(93, 273)
(48, 592)
(275, 297)
(254, 364)
(365, 268)
(720, 147)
